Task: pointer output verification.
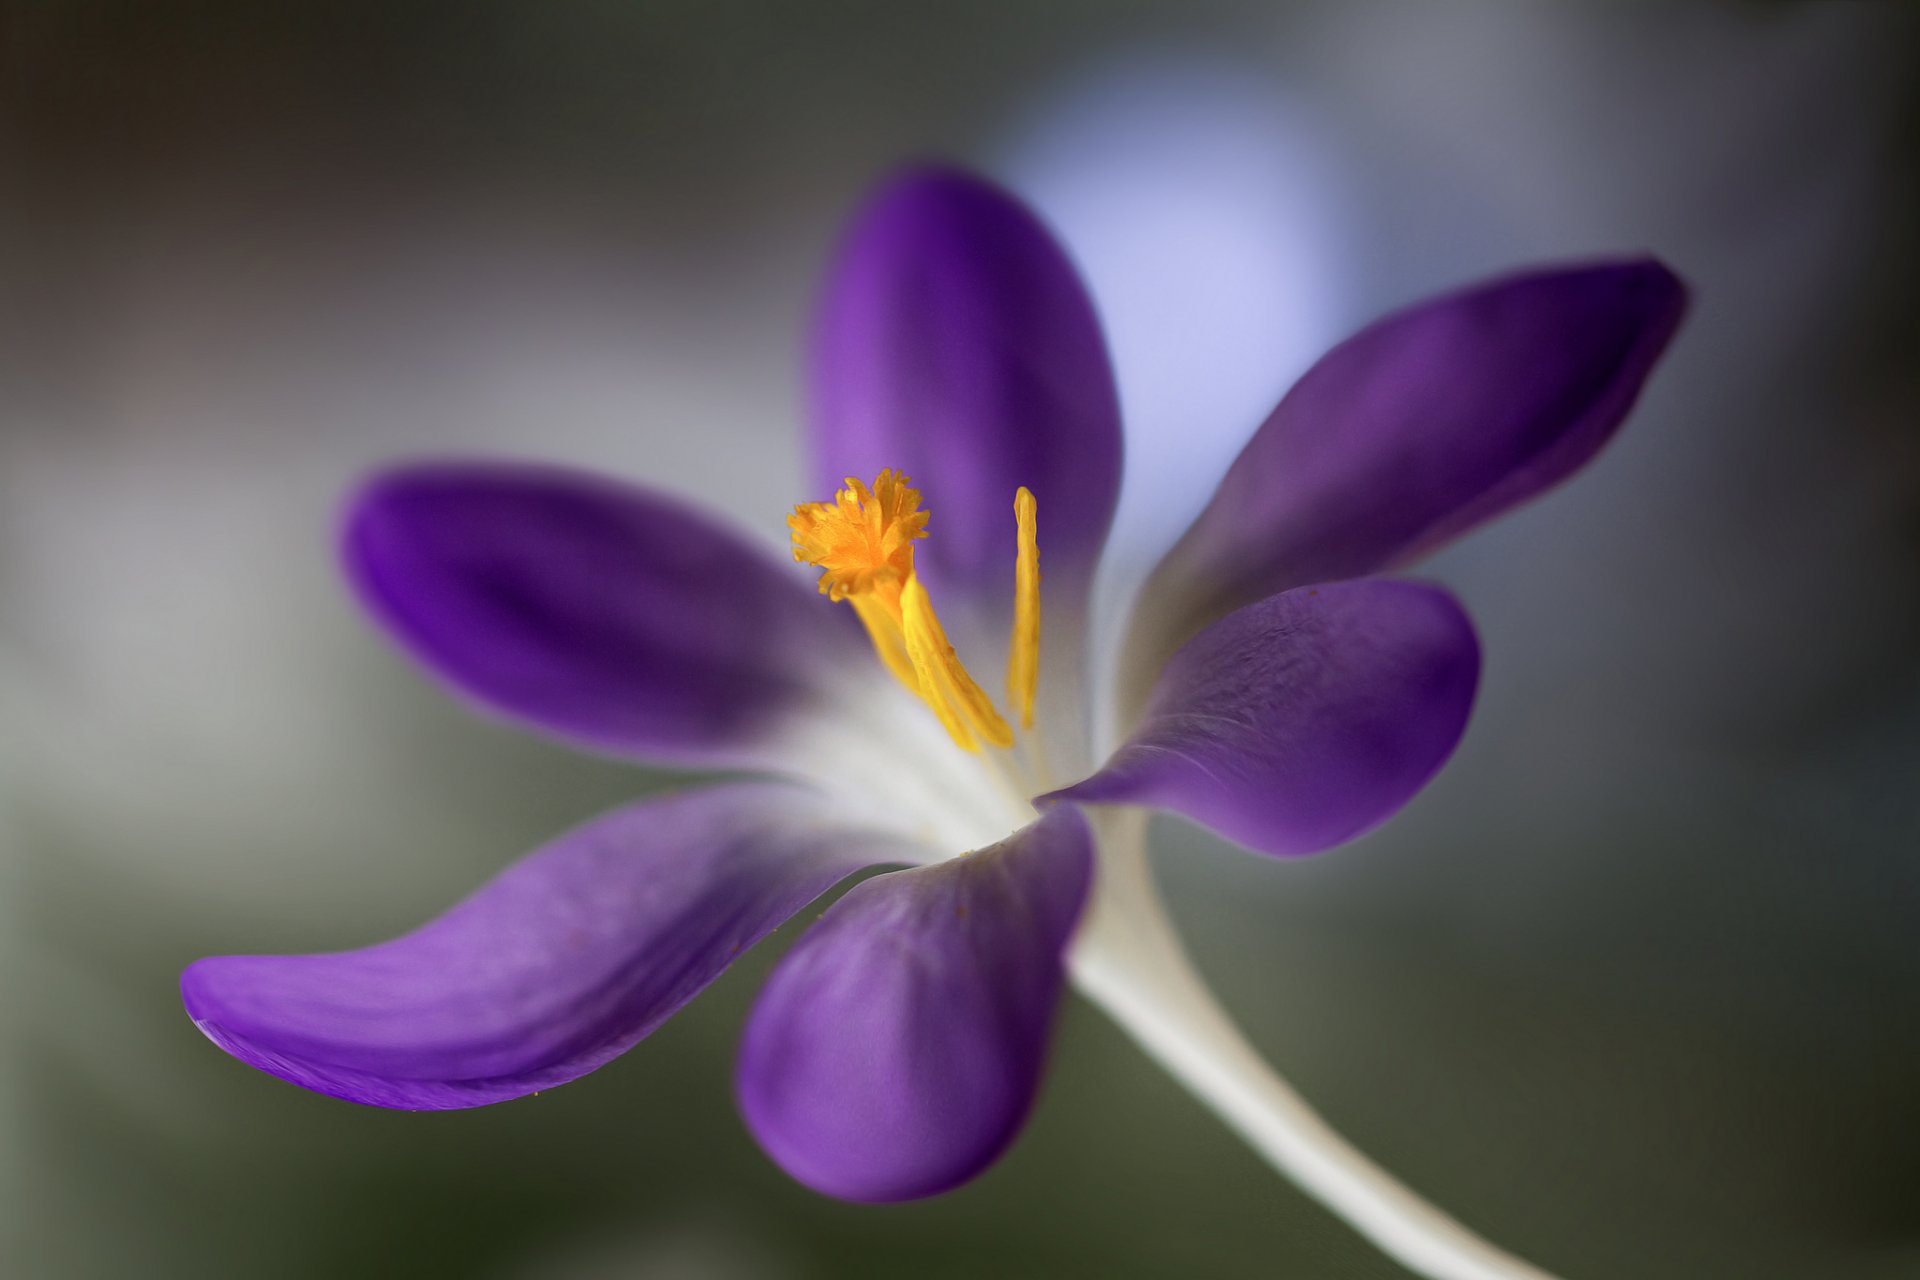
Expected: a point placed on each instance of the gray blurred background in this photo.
(1634, 987)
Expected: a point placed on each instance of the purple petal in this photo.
(1304, 720)
(608, 616)
(558, 965)
(1414, 431)
(956, 342)
(898, 1047)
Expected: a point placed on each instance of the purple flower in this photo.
(1271, 690)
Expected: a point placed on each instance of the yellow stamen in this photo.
(1023, 655)
(863, 543)
(863, 538)
(962, 705)
(889, 638)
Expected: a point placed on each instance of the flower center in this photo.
(863, 543)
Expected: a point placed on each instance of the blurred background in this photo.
(1634, 988)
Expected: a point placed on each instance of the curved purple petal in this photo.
(603, 614)
(897, 1049)
(558, 965)
(1304, 720)
(1415, 430)
(955, 342)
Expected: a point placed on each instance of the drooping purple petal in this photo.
(1415, 430)
(898, 1047)
(955, 342)
(603, 614)
(1302, 721)
(558, 965)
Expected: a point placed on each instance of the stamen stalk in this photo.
(962, 705)
(1023, 657)
(862, 541)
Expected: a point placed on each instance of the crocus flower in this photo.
(919, 698)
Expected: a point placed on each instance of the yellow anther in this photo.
(862, 542)
(863, 539)
(1023, 655)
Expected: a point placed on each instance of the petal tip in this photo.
(192, 989)
(560, 964)
(1663, 295)
(1380, 676)
(201, 989)
(898, 1049)
(1640, 294)
(933, 185)
(602, 613)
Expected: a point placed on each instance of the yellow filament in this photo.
(1023, 656)
(862, 541)
(962, 705)
(889, 638)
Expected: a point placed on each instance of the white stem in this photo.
(1129, 960)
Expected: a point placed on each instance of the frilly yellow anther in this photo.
(862, 541)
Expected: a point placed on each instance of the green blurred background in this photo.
(1634, 988)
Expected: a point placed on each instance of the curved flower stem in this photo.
(1129, 960)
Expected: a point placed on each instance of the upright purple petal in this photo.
(956, 342)
(1304, 720)
(558, 965)
(603, 614)
(898, 1047)
(1415, 430)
